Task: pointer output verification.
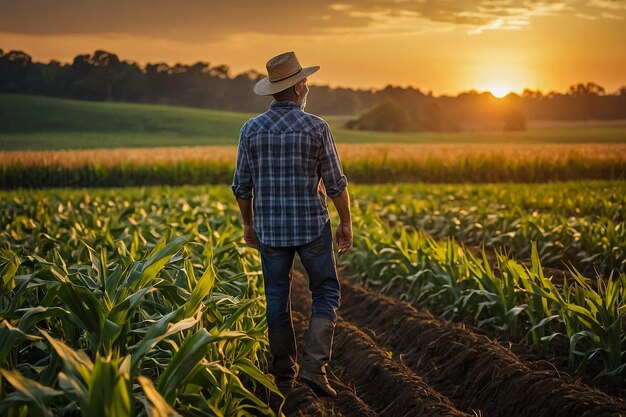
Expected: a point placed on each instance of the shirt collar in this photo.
(286, 104)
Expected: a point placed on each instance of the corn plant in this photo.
(511, 299)
(116, 320)
(579, 224)
(594, 322)
(540, 310)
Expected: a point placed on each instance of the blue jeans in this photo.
(319, 261)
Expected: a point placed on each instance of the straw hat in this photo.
(283, 71)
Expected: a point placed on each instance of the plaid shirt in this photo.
(282, 157)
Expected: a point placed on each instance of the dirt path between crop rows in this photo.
(390, 359)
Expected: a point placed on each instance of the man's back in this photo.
(283, 154)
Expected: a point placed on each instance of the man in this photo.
(287, 163)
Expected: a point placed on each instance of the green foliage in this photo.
(143, 302)
(594, 319)
(107, 315)
(9, 262)
(499, 293)
(575, 223)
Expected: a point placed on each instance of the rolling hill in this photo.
(34, 122)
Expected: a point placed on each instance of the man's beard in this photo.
(302, 102)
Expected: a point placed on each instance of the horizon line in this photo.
(428, 92)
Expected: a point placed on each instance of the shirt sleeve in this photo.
(332, 173)
(242, 179)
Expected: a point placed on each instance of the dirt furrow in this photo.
(474, 372)
(303, 402)
(386, 386)
(347, 402)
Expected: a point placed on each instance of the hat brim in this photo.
(265, 87)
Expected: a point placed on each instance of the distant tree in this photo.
(586, 89)
(107, 64)
(15, 70)
(528, 93)
(127, 83)
(552, 94)
(387, 116)
(54, 78)
(221, 71)
(344, 101)
(408, 97)
(105, 59)
(81, 65)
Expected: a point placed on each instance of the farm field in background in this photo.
(166, 272)
(119, 135)
(39, 123)
(374, 153)
(46, 123)
(486, 276)
(373, 163)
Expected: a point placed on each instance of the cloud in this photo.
(199, 21)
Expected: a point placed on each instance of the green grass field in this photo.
(28, 122)
(47, 123)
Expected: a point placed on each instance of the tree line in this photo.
(103, 76)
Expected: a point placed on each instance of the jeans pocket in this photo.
(317, 246)
(269, 251)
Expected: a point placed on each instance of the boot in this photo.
(283, 363)
(318, 349)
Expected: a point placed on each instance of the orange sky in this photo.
(438, 45)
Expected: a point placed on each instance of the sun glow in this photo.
(499, 91)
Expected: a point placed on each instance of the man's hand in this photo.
(249, 235)
(343, 237)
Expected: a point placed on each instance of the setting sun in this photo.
(499, 91)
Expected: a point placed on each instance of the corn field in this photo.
(575, 224)
(129, 303)
(374, 163)
(492, 288)
(144, 302)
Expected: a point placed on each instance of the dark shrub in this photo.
(514, 120)
(387, 116)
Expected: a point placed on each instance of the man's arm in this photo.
(343, 236)
(249, 234)
(336, 184)
(243, 189)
